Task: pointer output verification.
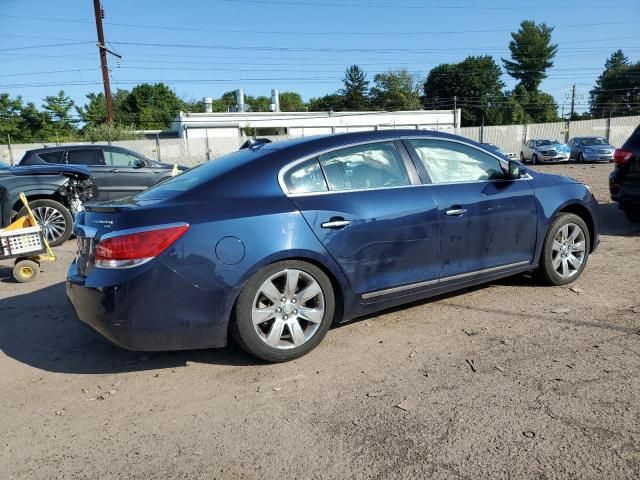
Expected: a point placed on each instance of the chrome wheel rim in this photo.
(52, 222)
(569, 250)
(288, 309)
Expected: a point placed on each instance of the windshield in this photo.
(543, 143)
(594, 141)
(4, 166)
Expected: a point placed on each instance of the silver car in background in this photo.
(544, 151)
(591, 149)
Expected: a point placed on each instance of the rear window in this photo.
(633, 142)
(196, 176)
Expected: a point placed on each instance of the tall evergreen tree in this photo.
(355, 89)
(532, 53)
(617, 89)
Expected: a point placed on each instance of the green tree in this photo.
(291, 102)
(537, 107)
(617, 89)
(532, 53)
(355, 89)
(476, 81)
(394, 91)
(59, 108)
(331, 102)
(150, 106)
(10, 118)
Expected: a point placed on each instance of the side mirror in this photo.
(515, 170)
(138, 163)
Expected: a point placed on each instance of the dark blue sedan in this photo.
(276, 242)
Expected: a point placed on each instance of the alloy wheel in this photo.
(52, 222)
(288, 309)
(568, 252)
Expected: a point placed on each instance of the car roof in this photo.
(93, 146)
(308, 145)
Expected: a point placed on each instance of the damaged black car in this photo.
(55, 193)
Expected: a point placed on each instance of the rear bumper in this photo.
(154, 311)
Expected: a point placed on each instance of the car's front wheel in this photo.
(54, 218)
(284, 311)
(565, 251)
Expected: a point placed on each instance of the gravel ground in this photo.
(509, 380)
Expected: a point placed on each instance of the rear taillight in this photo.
(621, 156)
(130, 250)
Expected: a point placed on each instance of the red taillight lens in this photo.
(136, 248)
(621, 156)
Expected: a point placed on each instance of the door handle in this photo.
(336, 223)
(456, 212)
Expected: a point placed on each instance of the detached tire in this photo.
(565, 250)
(284, 311)
(54, 218)
(26, 271)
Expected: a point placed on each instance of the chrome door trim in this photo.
(427, 283)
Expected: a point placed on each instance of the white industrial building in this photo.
(241, 123)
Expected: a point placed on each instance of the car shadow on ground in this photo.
(40, 329)
(613, 221)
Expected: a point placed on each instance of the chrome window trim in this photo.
(292, 164)
(411, 286)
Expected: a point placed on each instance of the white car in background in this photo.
(544, 151)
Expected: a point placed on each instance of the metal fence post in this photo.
(10, 150)
(609, 128)
(158, 147)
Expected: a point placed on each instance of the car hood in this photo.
(74, 171)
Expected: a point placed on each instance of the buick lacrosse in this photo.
(274, 243)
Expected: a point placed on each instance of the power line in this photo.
(396, 6)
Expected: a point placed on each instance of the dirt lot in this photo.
(511, 380)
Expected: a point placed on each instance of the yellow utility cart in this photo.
(25, 241)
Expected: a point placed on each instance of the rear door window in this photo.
(52, 157)
(374, 165)
(306, 177)
(84, 157)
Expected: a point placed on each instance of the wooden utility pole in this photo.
(573, 105)
(103, 59)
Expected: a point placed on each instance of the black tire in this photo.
(243, 331)
(26, 271)
(632, 215)
(580, 158)
(546, 272)
(54, 237)
(534, 159)
(522, 159)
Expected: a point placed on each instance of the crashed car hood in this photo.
(74, 171)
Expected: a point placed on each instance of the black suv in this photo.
(624, 181)
(116, 171)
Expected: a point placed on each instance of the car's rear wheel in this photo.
(284, 311)
(565, 251)
(54, 218)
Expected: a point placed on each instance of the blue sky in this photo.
(206, 47)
